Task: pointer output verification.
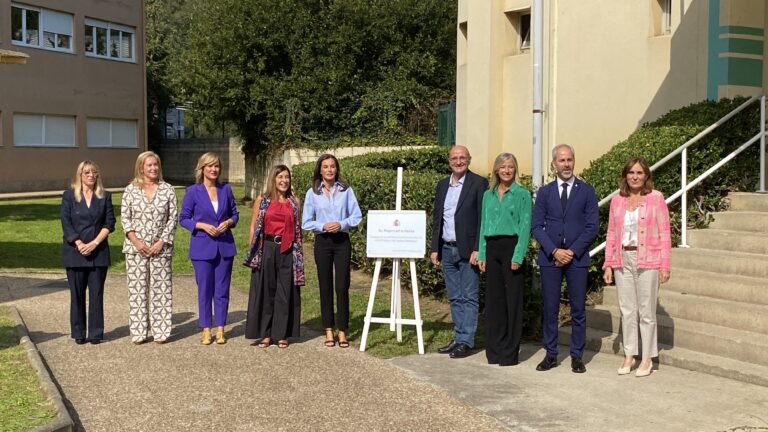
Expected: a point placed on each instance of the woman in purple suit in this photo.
(209, 212)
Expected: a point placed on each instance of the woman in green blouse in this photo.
(505, 229)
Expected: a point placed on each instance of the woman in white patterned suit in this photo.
(149, 220)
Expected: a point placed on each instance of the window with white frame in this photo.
(111, 133)
(524, 30)
(109, 40)
(43, 130)
(41, 28)
(666, 16)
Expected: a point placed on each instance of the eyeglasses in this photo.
(458, 159)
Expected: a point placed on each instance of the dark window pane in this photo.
(114, 43)
(88, 39)
(63, 41)
(33, 27)
(525, 31)
(16, 21)
(101, 41)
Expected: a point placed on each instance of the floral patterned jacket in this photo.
(256, 249)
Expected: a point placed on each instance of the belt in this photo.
(450, 243)
(629, 248)
(276, 239)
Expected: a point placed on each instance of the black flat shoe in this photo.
(509, 363)
(461, 351)
(547, 364)
(577, 365)
(81, 341)
(95, 341)
(448, 348)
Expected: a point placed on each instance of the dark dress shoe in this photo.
(547, 364)
(461, 351)
(448, 348)
(95, 341)
(509, 363)
(577, 366)
(81, 341)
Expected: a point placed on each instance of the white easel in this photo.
(395, 319)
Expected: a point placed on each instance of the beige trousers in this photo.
(150, 297)
(638, 291)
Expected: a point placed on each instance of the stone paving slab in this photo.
(182, 385)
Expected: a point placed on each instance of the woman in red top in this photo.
(274, 303)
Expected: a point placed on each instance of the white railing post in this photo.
(761, 186)
(684, 199)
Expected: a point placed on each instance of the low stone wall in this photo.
(180, 158)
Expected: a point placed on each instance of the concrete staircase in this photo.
(713, 313)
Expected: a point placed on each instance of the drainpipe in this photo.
(537, 14)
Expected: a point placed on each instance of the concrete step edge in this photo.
(602, 341)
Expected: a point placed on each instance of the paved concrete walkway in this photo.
(185, 386)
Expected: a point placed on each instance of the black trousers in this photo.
(274, 302)
(333, 252)
(92, 279)
(503, 302)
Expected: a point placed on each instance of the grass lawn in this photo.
(22, 403)
(30, 234)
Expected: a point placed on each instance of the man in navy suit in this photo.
(565, 222)
(455, 235)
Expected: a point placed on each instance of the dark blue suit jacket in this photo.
(575, 229)
(197, 207)
(78, 221)
(467, 216)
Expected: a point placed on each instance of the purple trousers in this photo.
(213, 287)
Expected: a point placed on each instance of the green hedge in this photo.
(373, 178)
(656, 139)
(367, 141)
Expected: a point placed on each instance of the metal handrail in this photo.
(683, 151)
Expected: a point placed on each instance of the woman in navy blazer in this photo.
(209, 212)
(87, 218)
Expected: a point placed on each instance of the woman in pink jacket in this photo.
(637, 250)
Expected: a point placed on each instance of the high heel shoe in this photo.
(206, 338)
(644, 372)
(220, 339)
(626, 370)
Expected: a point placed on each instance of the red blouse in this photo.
(278, 221)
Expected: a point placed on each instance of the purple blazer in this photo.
(197, 207)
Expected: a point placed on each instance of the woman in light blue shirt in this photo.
(330, 210)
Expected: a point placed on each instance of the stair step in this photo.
(712, 339)
(738, 241)
(726, 262)
(745, 201)
(718, 285)
(736, 315)
(740, 220)
(602, 341)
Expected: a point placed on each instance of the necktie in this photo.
(564, 196)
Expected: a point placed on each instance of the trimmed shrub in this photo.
(656, 139)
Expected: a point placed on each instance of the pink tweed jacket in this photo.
(653, 235)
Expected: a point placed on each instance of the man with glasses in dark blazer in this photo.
(455, 235)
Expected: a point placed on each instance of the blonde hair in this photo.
(500, 159)
(77, 182)
(206, 159)
(138, 174)
(271, 188)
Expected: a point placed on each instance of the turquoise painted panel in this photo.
(744, 46)
(745, 72)
(752, 31)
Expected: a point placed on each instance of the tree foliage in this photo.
(290, 71)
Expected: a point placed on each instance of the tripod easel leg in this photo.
(416, 308)
(371, 297)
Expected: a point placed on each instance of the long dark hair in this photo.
(317, 178)
(271, 188)
(624, 186)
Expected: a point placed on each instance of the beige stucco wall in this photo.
(605, 74)
(71, 84)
